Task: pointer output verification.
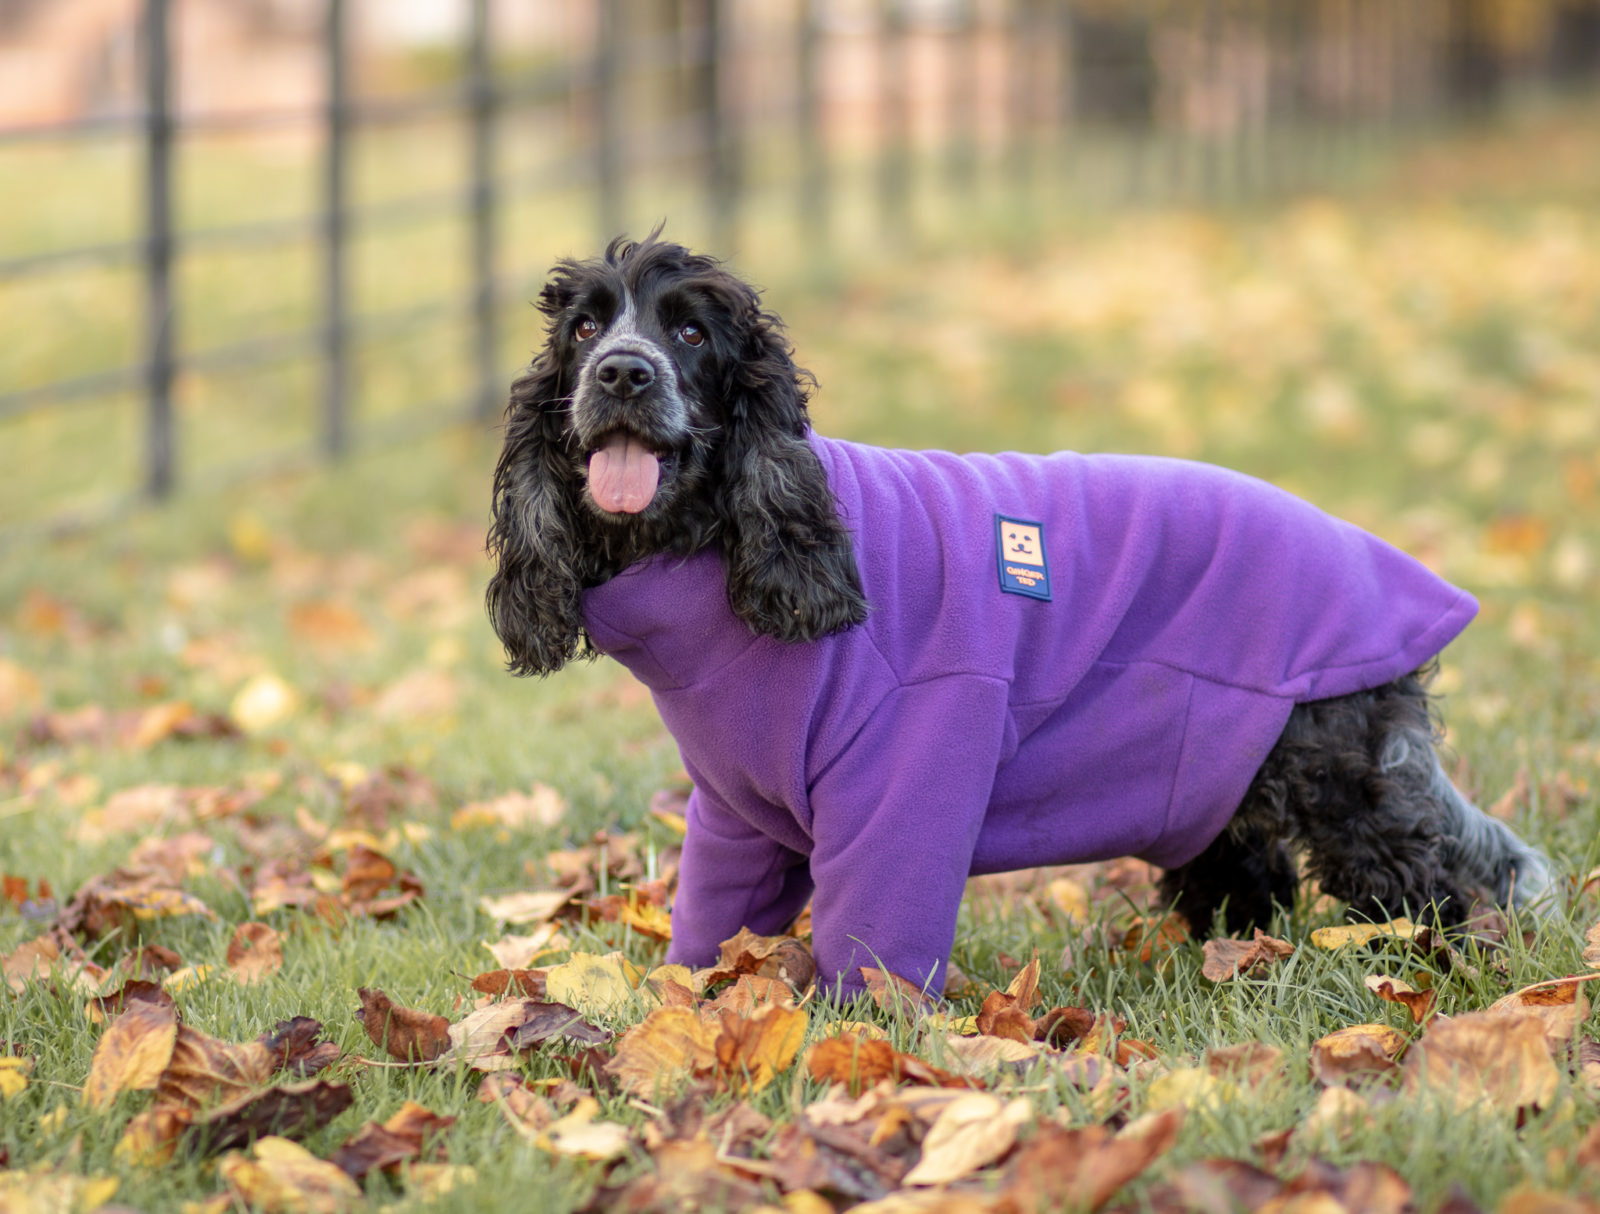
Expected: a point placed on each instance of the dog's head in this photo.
(664, 414)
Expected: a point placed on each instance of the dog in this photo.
(887, 671)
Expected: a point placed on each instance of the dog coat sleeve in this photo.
(731, 876)
(895, 820)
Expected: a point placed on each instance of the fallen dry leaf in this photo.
(781, 957)
(254, 953)
(541, 806)
(1354, 934)
(1154, 938)
(579, 1133)
(1493, 1061)
(285, 1178)
(1360, 1052)
(204, 1071)
(1560, 1004)
(860, 1064)
(1228, 958)
(404, 1033)
(896, 995)
(970, 1133)
(1419, 1003)
(1084, 1168)
(596, 984)
(532, 906)
(669, 1044)
(402, 1138)
(133, 1052)
(751, 1050)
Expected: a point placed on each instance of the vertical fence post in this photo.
(335, 371)
(484, 199)
(813, 194)
(722, 167)
(608, 120)
(158, 249)
(894, 125)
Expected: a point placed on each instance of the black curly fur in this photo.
(737, 473)
(1354, 783)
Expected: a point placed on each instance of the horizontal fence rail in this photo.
(847, 120)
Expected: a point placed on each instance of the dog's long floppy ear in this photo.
(534, 596)
(791, 565)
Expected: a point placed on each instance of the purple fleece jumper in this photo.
(969, 729)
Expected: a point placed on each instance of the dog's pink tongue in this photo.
(623, 475)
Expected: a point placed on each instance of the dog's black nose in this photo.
(625, 375)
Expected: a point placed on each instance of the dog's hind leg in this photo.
(1240, 876)
(1484, 852)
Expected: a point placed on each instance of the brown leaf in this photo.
(405, 1136)
(1227, 958)
(204, 1071)
(1253, 1063)
(861, 1064)
(687, 1176)
(1000, 1016)
(751, 1050)
(130, 992)
(1496, 1061)
(255, 952)
(1419, 1003)
(668, 1044)
(1361, 1052)
(294, 1047)
(529, 983)
(1591, 947)
(133, 1053)
(368, 875)
(290, 1110)
(766, 956)
(404, 1033)
(896, 995)
(1560, 1004)
(1061, 1026)
(1151, 938)
(1083, 1168)
(549, 1021)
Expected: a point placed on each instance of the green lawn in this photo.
(1421, 356)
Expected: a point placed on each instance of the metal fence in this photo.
(812, 124)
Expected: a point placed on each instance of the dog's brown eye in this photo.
(586, 329)
(691, 335)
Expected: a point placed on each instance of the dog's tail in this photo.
(1485, 852)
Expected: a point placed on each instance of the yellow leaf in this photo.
(593, 983)
(285, 1178)
(578, 1133)
(262, 703)
(13, 1075)
(189, 975)
(1332, 938)
(132, 1053)
(1190, 1087)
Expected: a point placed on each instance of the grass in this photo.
(1419, 357)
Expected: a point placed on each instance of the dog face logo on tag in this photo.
(1021, 559)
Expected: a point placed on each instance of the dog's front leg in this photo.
(731, 876)
(895, 819)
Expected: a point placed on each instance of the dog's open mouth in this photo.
(624, 473)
